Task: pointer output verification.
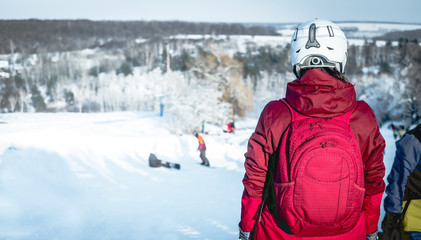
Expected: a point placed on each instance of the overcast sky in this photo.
(408, 11)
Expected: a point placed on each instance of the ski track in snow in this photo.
(223, 227)
(189, 231)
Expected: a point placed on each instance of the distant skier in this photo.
(230, 127)
(401, 130)
(394, 129)
(202, 149)
(161, 106)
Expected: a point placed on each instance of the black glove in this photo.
(243, 235)
(391, 226)
(372, 236)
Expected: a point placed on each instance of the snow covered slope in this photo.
(86, 176)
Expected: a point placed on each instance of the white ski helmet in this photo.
(318, 43)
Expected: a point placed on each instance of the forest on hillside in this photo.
(212, 78)
(35, 35)
(410, 35)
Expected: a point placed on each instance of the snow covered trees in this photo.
(211, 78)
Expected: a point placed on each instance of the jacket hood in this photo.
(319, 94)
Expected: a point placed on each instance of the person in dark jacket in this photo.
(318, 55)
(403, 192)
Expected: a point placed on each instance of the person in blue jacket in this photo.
(403, 192)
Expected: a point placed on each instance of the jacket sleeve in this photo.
(254, 179)
(374, 172)
(372, 145)
(271, 124)
(408, 151)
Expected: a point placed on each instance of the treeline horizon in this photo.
(408, 35)
(58, 77)
(31, 35)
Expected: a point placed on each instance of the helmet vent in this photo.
(312, 42)
(298, 50)
(330, 48)
(330, 30)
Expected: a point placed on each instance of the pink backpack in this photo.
(319, 180)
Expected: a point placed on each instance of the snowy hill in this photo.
(86, 176)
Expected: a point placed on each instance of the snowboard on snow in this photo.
(208, 166)
(155, 162)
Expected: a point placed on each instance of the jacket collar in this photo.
(319, 94)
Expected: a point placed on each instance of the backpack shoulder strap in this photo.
(295, 115)
(268, 190)
(272, 163)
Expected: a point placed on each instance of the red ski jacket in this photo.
(316, 94)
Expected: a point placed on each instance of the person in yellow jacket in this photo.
(202, 149)
(403, 200)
